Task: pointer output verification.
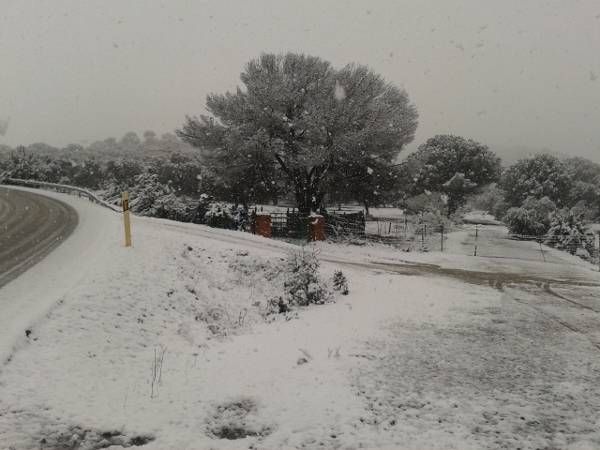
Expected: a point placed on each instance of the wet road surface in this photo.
(31, 226)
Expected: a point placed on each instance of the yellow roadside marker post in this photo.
(126, 218)
(598, 247)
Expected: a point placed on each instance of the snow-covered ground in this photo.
(196, 305)
(167, 344)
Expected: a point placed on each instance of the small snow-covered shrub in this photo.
(429, 202)
(63, 436)
(174, 208)
(241, 218)
(220, 215)
(303, 285)
(202, 208)
(146, 192)
(525, 222)
(277, 305)
(340, 282)
(567, 232)
(532, 218)
(237, 419)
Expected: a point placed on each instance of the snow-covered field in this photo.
(167, 345)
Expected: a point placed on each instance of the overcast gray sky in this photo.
(510, 73)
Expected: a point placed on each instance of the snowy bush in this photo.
(236, 419)
(220, 215)
(340, 282)
(524, 222)
(146, 191)
(241, 218)
(428, 203)
(532, 218)
(154, 199)
(567, 232)
(202, 207)
(223, 215)
(303, 285)
(173, 207)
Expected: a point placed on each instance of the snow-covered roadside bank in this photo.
(506, 256)
(28, 298)
(165, 344)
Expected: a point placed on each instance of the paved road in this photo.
(31, 226)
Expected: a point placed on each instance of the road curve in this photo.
(31, 226)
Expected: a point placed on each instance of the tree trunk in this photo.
(308, 199)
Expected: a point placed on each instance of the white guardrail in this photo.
(63, 188)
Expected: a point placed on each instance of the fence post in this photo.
(476, 238)
(263, 225)
(317, 228)
(442, 237)
(542, 250)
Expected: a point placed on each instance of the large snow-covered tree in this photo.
(453, 165)
(307, 119)
(539, 176)
(585, 191)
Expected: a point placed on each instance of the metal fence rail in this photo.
(63, 188)
(583, 245)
